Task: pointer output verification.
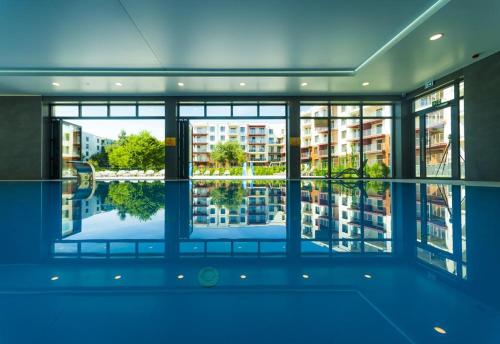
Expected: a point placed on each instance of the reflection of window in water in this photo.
(440, 222)
(343, 214)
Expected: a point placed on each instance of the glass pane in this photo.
(313, 111)
(315, 217)
(71, 144)
(439, 217)
(272, 110)
(151, 110)
(438, 145)
(462, 138)
(417, 146)
(377, 156)
(461, 89)
(94, 110)
(245, 111)
(345, 142)
(191, 111)
(65, 111)
(440, 96)
(218, 111)
(122, 111)
(314, 147)
(377, 111)
(345, 111)
(377, 211)
(346, 217)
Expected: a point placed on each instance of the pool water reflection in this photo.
(424, 255)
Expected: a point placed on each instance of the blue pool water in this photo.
(249, 262)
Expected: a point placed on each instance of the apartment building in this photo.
(263, 144)
(93, 144)
(345, 137)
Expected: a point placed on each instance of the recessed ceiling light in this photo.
(366, 83)
(242, 84)
(243, 276)
(54, 278)
(180, 276)
(439, 330)
(367, 276)
(119, 84)
(305, 276)
(304, 84)
(117, 277)
(180, 84)
(56, 84)
(436, 36)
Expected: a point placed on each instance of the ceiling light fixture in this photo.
(119, 84)
(436, 36)
(242, 84)
(439, 330)
(56, 84)
(304, 84)
(366, 83)
(180, 84)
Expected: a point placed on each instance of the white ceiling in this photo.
(88, 46)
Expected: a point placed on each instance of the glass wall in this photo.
(355, 131)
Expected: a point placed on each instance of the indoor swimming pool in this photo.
(249, 261)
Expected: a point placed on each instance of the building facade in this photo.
(263, 144)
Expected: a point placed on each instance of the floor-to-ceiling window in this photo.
(236, 139)
(439, 133)
(125, 139)
(346, 140)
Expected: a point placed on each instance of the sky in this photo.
(111, 128)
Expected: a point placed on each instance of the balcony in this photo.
(374, 132)
(372, 148)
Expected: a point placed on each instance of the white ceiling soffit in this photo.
(158, 23)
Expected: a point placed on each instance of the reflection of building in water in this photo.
(75, 208)
(253, 205)
(435, 234)
(334, 212)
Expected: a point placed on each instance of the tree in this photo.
(228, 195)
(228, 153)
(141, 151)
(139, 200)
(100, 160)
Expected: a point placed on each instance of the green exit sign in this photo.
(436, 102)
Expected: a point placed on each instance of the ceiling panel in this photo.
(469, 27)
(270, 33)
(70, 33)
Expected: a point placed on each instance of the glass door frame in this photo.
(453, 104)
